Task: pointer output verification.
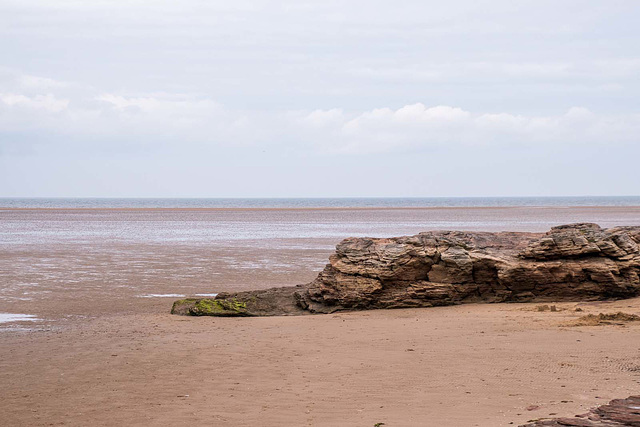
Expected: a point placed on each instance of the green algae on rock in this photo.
(210, 307)
(274, 302)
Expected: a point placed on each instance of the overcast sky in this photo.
(143, 98)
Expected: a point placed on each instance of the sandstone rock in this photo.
(571, 262)
(619, 412)
(272, 302)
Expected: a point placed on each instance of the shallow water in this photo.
(16, 317)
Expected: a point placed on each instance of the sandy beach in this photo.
(476, 365)
(105, 351)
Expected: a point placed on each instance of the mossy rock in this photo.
(265, 302)
(210, 307)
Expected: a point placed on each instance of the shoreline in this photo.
(328, 208)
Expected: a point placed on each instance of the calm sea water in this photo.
(317, 202)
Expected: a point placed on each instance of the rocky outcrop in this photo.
(570, 262)
(267, 302)
(619, 412)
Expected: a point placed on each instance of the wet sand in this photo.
(105, 355)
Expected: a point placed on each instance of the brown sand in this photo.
(475, 365)
(104, 356)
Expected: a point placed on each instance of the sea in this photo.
(302, 203)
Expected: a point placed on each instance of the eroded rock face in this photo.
(570, 262)
(619, 412)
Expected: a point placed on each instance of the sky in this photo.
(145, 98)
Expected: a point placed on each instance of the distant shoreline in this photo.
(324, 208)
(320, 203)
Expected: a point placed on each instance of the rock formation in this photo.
(569, 263)
(619, 412)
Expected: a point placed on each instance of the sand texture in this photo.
(471, 365)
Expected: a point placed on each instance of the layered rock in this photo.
(618, 412)
(570, 262)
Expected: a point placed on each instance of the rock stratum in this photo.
(575, 262)
(618, 412)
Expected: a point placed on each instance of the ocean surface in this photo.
(302, 203)
(76, 261)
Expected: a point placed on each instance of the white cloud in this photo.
(160, 104)
(69, 113)
(46, 102)
(324, 117)
(441, 114)
(35, 82)
(417, 126)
